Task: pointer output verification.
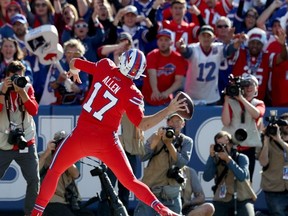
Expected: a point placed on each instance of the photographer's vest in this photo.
(64, 180)
(243, 188)
(16, 117)
(132, 138)
(272, 175)
(253, 135)
(155, 174)
(187, 190)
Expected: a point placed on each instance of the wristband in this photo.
(74, 71)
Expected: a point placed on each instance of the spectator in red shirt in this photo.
(166, 70)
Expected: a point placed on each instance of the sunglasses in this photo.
(41, 5)
(222, 26)
(81, 25)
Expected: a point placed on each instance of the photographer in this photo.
(232, 191)
(167, 150)
(17, 129)
(273, 157)
(242, 110)
(193, 197)
(66, 199)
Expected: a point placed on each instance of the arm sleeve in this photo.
(240, 169)
(209, 170)
(183, 157)
(86, 66)
(31, 105)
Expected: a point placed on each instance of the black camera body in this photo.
(170, 132)
(273, 120)
(20, 81)
(219, 147)
(235, 85)
(17, 137)
(176, 174)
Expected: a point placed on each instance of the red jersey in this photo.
(186, 31)
(279, 84)
(167, 67)
(211, 15)
(263, 66)
(111, 94)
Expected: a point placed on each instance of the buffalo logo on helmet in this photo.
(132, 63)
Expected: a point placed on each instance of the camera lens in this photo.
(19, 81)
(170, 132)
(218, 147)
(232, 90)
(240, 135)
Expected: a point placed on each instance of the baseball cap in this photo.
(125, 36)
(250, 77)
(257, 34)
(172, 115)
(18, 18)
(164, 33)
(131, 9)
(206, 29)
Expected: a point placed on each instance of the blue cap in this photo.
(18, 18)
(165, 33)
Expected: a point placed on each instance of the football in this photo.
(188, 113)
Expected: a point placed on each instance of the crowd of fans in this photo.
(98, 25)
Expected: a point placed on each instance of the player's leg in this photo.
(117, 161)
(67, 153)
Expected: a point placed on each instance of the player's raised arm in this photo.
(180, 104)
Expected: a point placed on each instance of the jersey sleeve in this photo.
(135, 108)
(92, 67)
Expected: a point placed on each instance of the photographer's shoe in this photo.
(163, 210)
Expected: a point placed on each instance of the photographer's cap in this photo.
(174, 114)
(60, 135)
(250, 78)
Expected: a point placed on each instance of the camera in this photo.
(272, 122)
(170, 132)
(240, 135)
(17, 137)
(20, 81)
(176, 174)
(219, 147)
(235, 85)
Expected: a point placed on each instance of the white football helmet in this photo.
(132, 63)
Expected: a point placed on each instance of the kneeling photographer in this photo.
(66, 199)
(167, 150)
(229, 169)
(274, 160)
(241, 110)
(17, 129)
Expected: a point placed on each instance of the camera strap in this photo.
(219, 179)
(225, 171)
(8, 106)
(242, 113)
